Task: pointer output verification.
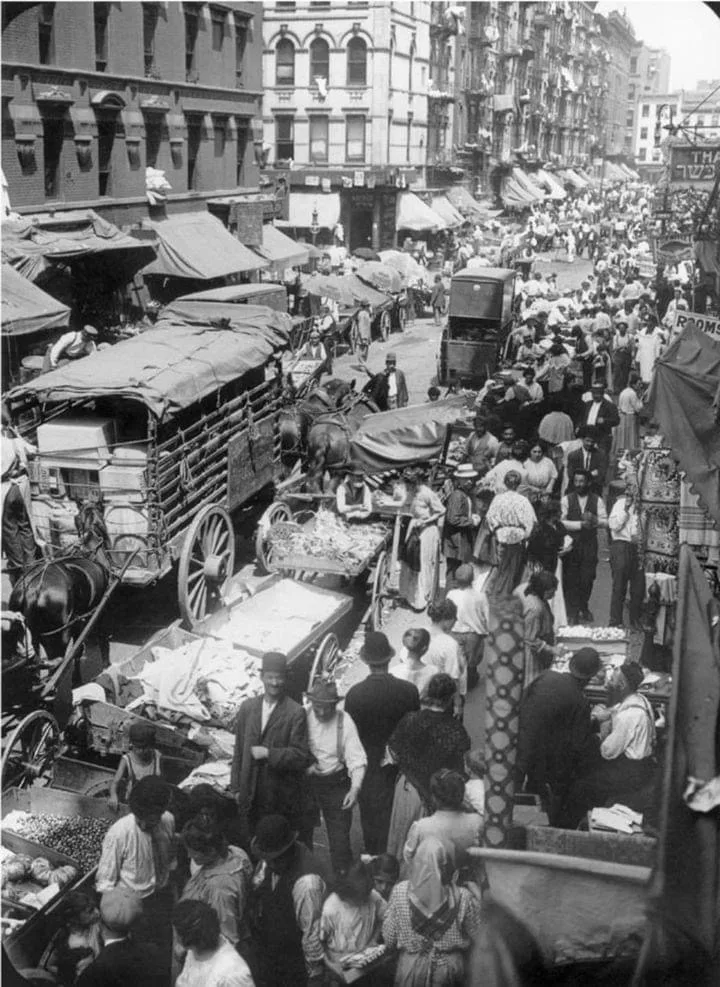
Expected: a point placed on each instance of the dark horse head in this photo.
(58, 597)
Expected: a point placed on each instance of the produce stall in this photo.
(64, 830)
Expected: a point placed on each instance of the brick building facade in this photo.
(94, 93)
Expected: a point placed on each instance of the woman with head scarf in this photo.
(430, 922)
(451, 823)
(420, 553)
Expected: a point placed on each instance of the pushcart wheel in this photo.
(355, 340)
(278, 511)
(326, 659)
(206, 563)
(381, 581)
(402, 317)
(30, 750)
(385, 324)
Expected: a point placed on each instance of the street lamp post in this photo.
(314, 225)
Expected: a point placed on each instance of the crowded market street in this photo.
(360, 571)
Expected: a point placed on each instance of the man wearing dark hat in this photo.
(394, 392)
(123, 961)
(377, 704)
(557, 743)
(602, 414)
(582, 513)
(288, 900)
(138, 855)
(589, 458)
(627, 747)
(337, 774)
(271, 750)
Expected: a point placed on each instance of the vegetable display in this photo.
(76, 837)
(593, 633)
(328, 537)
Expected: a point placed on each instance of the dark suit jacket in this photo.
(126, 963)
(274, 785)
(402, 391)
(598, 466)
(608, 417)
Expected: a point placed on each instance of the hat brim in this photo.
(272, 854)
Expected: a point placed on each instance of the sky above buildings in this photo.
(688, 29)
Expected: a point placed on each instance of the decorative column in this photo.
(503, 681)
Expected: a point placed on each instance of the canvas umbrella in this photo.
(381, 276)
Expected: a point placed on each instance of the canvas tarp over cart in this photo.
(166, 433)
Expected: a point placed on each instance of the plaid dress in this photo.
(432, 950)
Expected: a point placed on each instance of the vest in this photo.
(279, 934)
(586, 537)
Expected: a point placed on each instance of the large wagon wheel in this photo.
(277, 511)
(402, 317)
(354, 335)
(326, 660)
(30, 749)
(381, 584)
(385, 325)
(206, 563)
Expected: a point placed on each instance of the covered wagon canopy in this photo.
(27, 308)
(32, 244)
(681, 400)
(171, 366)
(197, 245)
(398, 438)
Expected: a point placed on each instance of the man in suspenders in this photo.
(338, 770)
(582, 513)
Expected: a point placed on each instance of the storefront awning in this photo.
(26, 308)
(413, 214)
(32, 244)
(514, 196)
(466, 204)
(446, 211)
(302, 205)
(280, 250)
(548, 181)
(570, 178)
(527, 185)
(197, 245)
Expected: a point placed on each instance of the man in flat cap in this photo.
(271, 750)
(123, 961)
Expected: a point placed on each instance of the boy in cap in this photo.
(141, 761)
(337, 773)
(460, 522)
(271, 749)
(557, 743)
(123, 961)
(377, 704)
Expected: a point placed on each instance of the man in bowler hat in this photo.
(377, 704)
(271, 750)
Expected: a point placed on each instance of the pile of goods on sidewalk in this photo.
(590, 633)
(328, 537)
(76, 837)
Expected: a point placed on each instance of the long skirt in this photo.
(430, 969)
(626, 435)
(407, 808)
(417, 588)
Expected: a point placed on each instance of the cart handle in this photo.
(74, 646)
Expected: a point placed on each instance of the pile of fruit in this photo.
(328, 538)
(593, 633)
(76, 837)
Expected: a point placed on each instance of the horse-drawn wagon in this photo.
(161, 436)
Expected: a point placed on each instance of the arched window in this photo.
(319, 60)
(285, 63)
(357, 62)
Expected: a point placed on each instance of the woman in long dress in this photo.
(431, 922)
(538, 624)
(627, 433)
(649, 344)
(420, 552)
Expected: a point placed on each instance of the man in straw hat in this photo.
(557, 744)
(123, 961)
(271, 749)
(288, 897)
(460, 522)
(377, 704)
(337, 774)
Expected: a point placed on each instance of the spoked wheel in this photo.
(355, 340)
(326, 660)
(206, 563)
(30, 750)
(402, 317)
(277, 511)
(385, 325)
(381, 584)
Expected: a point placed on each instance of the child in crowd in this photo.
(79, 941)
(416, 641)
(386, 873)
(141, 761)
(352, 915)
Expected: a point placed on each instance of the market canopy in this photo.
(514, 195)
(26, 308)
(174, 364)
(197, 245)
(681, 398)
(446, 211)
(530, 188)
(33, 244)
(571, 178)
(280, 250)
(413, 214)
(415, 434)
(548, 181)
